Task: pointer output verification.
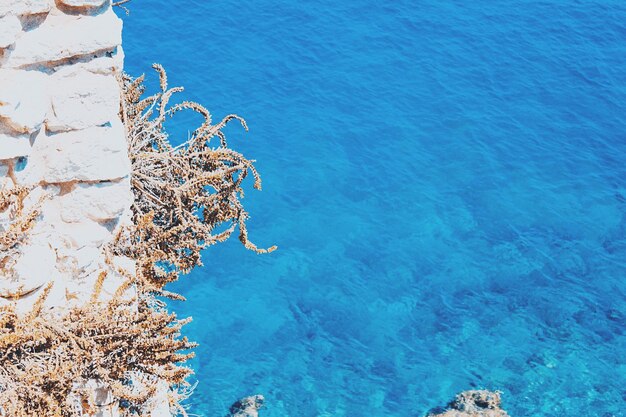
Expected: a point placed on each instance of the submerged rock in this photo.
(247, 407)
(474, 403)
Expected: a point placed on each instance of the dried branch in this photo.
(126, 344)
(130, 344)
(120, 4)
(182, 193)
(21, 221)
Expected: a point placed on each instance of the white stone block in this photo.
(35, 197)
(4, 172)
(5, 184)
(83, 100)
(24, 7)
(24, 99)
(14, 146)
(107, 64)
(94, 154)
(87, 259)
(30, 170)
(10, 28)
(84, 234)
(124, 263)
(97, 201)
(63, 36)
(34, 267)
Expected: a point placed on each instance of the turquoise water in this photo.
(446, 181)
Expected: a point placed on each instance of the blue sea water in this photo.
(446, 181)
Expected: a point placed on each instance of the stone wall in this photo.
(60, 133)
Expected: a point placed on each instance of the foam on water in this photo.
(446, 182)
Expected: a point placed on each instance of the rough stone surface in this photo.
(100, 202)
(107, 64)
(10, 28)
(56, 75)
(474, 403)
(83, 100)
(24, 7)
(38, 261)
(62, 36)
(23, 99)
(93, 154)
(14, 146)
(60, 135)
(29, 171)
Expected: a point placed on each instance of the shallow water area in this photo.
(446, 183)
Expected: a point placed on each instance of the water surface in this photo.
(446, 182)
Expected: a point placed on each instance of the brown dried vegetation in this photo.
(129, 343)
(118, 343)
(181, 192)
(21, 221)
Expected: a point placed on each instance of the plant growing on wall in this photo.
(129, 344)
(182, 193)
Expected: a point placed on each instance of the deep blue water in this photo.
(446, 181)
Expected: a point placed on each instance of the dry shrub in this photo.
(12, 200)
(130, 344)
(21, 221)
(182, 193)
(118, 343)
